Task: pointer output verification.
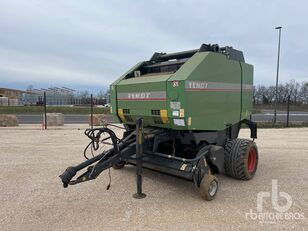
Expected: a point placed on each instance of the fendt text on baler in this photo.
(182, 113)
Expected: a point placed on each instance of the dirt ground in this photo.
(32, 196)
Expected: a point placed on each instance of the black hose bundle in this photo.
(95, 136)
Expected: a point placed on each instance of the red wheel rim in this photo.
(252, 160)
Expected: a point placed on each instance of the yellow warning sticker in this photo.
(121, 114)
(181, 112)
(189, 121)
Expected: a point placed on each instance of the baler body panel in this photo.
(207, 92)
(142, 97)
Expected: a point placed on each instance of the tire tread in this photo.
(234, 160)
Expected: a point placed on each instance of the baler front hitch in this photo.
(121, 151)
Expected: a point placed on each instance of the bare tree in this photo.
(294, 90)
(297, 92)
(304, 92)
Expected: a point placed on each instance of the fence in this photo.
(286, 114)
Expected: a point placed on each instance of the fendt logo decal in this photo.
(139, 96)
(216, 86)
(197, 85)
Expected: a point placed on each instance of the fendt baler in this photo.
(182, 114)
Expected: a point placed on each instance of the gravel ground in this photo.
(32, 197)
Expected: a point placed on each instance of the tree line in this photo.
(298, 93)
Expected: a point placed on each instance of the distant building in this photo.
(10, 97)
(54, 96)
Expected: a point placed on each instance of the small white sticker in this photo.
(175, 113)
(175, 83)
(175, 105)
(183, 167)
(179, 122)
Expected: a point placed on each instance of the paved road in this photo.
(68, 119)
(36, 119)
(281, 116)
(80, 119)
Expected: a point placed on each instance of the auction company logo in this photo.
(281, 212)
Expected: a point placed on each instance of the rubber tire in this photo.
(205, 186)
(236, 159)
(119, 165)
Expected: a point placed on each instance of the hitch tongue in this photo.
(67, 175)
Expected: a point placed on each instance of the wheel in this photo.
(241, 159)
(119, 165)
(208, 187)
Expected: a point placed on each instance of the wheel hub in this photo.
(213, 188)
(252, 160)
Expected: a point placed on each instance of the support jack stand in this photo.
(139, 154)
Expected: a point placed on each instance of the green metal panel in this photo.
(113, 92)
(213, 108)
(156, 85)
(247, 92)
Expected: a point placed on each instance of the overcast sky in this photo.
(88, 44)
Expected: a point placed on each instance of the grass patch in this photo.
(51, 109)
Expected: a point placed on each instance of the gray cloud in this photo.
(90, 43)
